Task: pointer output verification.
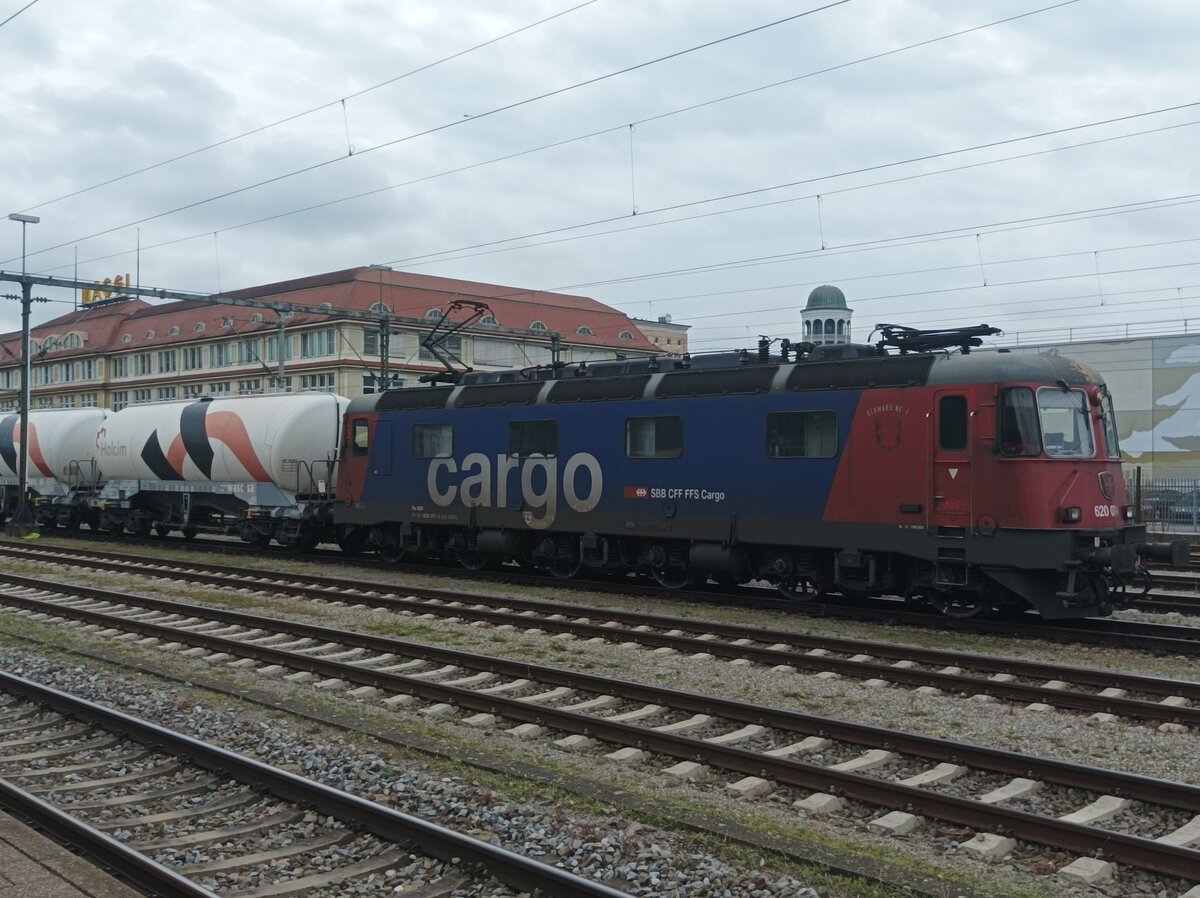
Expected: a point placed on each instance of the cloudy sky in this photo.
(1032, 164)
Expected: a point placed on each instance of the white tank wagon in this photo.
(60, 456)
(261, 466)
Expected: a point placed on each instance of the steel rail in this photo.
(1144, 853)
(517, 871)
(796, 655)
(129, 864)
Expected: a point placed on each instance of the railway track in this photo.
(1039, 685)
(146, 801)
(1003, 795)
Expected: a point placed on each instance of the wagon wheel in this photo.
(162, 529)
(673, 576)
(799, 589)
(960, 604)
(190, 532)
(562, 567)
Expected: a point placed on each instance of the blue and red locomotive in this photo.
(973, 481)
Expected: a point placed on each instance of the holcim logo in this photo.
(110, 448)
(481, 484)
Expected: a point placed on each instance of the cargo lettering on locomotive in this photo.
(475, 489)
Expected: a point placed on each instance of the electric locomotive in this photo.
(974, 481)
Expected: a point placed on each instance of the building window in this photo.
(149, 335)
(453, 345)
(323, 382)
(220, 389)
(142, 364)
(281, 384)
(120, 366)
(120, 400)
(89, 400)
(433, 440)
(315, 343)
(165, 393)
(73, 341)
(226, 322)
(802, 434)
(9, 380)
(371, 341)
(220, 355)
(584, 331)
(488, 319)
(199, 328)
(256, 318)
(246, 387)
(537, 326)
(125, 338)
(625, 335)
(492, 352)
(67, 402)
(46, 402)
(434, 313)
(380, 307)
(89, 369)
(68, 372)
(42, 375)
(193, 358)
(174, 331)
(660, 437)
(192, 391)
(141, 396)
(166, 361)
(273, 348)
(249, 351)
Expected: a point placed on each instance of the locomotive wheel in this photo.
(562, 567)
(798, 589)
(474, 560)
(392, 553)
(674, 576)
(960, 604)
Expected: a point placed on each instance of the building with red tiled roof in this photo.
(323, 332)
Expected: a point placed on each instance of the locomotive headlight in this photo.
(1130, 512)
(1072, 514)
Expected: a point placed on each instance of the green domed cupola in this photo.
(826, 317)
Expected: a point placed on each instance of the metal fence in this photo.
(1166, 503)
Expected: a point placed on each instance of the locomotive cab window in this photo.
(952, 422)
(1066, 423)
(802, 434)
(526, 438)
(1111, 446)
(432, 440)
(359, 439)
(654, 437)
(1019, 432)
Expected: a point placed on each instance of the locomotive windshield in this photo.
(1066, 427)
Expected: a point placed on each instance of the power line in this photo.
(18, 12)
(315, 109)
(452, 124)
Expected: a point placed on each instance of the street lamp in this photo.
(385, 332)
(22, 522)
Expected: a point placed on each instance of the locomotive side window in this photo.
(1111, 446)
(526, 438)
(1019, 433)
(952, 422)
(359, 441)
(432, 440)
(802, 434)
(1066, 425)
(654, 437)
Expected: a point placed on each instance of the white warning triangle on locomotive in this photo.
(953, 472)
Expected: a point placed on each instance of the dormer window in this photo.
(379, 307)
(174, 331)
(326, 307)
(226, 322)
(256, 318)
(488, 319)
(537, 326)
(584, 331)
(625, 335)
(125, 338)
(434, 313)
(150, 335)
(199, 328)
(72, 341)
